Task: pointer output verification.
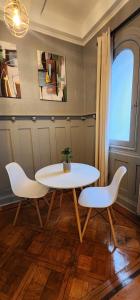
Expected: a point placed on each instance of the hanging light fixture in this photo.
(16, 18)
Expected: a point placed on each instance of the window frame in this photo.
(131, 144)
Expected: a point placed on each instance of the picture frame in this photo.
(9, 73)
(52, 76)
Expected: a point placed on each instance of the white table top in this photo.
(54, 177)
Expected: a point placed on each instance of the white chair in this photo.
(25, 188)
(102, 197)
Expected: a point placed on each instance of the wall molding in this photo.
(56, 33)
(103, 21)
(78, 40)
(34, 118)
(83, 40)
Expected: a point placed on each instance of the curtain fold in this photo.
(104, 62)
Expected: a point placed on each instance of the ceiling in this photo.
(73, 20)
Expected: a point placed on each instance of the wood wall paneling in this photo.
(37, 144)
(44, 146)
(25, 151)
(124, 182)
(90, 142)
(61, 142)
(129, 188)
(77, 142)
(6, 156)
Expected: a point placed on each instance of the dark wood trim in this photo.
(113, 286)
(124, 283)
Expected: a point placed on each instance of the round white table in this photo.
(81, 175)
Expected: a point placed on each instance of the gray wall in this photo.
(90, 63)
(27, 59)
(35, 144)
(39, 143)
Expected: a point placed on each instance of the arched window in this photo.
(123, 96)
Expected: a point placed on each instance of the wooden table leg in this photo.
(50, 206)
(17, 213)
(77, 214)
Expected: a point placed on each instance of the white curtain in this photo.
(104, 61)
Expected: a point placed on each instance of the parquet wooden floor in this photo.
(51, 264)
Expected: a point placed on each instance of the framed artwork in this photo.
(9, 74)
(52, 76)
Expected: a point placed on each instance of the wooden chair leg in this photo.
(86, 221)
(113, 215)
(17, 213)
(112, 228)
(38, 212)
(50, 206)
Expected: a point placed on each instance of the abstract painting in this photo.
(52, 76)
(9, 74)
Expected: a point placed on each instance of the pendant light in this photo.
(16, 18)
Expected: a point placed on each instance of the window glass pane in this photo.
(121, 95)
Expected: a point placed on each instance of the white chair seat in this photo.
(97, 197)
(31, 189)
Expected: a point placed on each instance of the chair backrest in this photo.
(16, 175)
(114, 186)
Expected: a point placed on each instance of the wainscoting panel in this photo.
(6, 155)
(44, 146)
(90, 141)
(37, 143)
(124, 183)
(128, 194)
(77, 142)
(25, 149)
(61, 142)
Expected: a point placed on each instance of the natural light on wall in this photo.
(121, 96)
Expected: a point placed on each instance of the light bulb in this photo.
(16, 18)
